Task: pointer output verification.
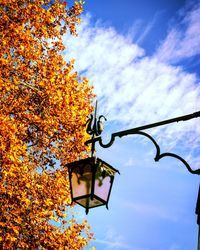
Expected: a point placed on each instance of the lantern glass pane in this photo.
(102, 187)
(81, 180)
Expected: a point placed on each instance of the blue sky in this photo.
(143, 58)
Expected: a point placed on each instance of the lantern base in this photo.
(90, 202)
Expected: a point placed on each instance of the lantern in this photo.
(91, 181)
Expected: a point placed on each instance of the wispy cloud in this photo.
(183, 40)
(134, 89)
(114, 240)
(147, 28)
(114, 243)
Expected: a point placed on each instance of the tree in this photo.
(44, 105)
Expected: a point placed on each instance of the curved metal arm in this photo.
(137, 130)
(158, 155)
(197, 171)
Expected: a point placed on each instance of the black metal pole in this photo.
(158, 124)
(198, 218)
(93, 135)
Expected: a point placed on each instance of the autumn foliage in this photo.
(44, 105)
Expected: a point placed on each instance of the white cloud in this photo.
(134, 89)
(114, 244)
(182, 41)
(114, 240)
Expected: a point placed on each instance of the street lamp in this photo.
(87, 180)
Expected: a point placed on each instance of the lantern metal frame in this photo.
(99, 171)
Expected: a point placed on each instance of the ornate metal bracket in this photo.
(94, 127)
(138, 130)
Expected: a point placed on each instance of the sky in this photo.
(142, 58)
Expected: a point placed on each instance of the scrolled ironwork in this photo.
(138, 130)
(94, 127)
